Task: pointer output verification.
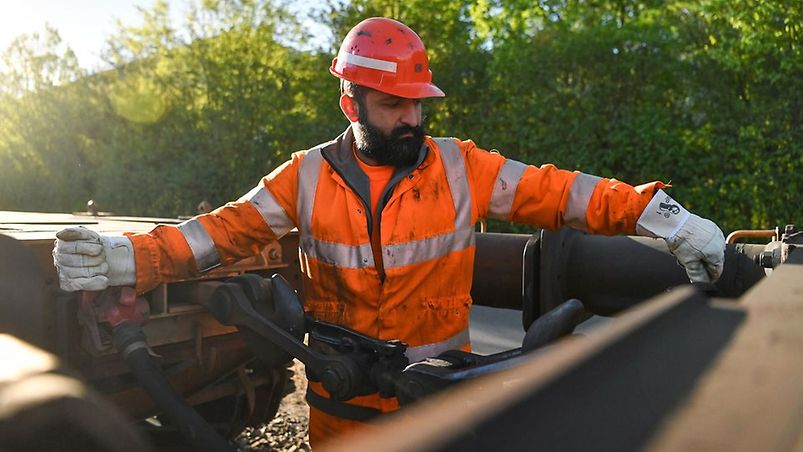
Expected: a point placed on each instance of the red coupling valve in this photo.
(115, 305)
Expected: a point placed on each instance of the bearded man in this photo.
(386, 217)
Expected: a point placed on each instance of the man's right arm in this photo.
(235, 231)
(551, 198)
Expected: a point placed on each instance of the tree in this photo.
(707, 95)
(45, 145)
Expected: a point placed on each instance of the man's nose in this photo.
(410, 114)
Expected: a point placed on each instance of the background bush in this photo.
(705, 95)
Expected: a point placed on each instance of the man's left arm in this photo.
(551, 198)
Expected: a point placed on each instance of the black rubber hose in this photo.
(129, 340)
(553, 325)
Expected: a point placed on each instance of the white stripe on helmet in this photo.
(370, 63)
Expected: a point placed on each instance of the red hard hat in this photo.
(387, 56)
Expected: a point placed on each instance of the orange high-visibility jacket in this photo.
(427, 222)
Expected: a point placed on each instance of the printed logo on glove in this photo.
(697, 243)
(667, 209)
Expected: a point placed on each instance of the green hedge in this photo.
(707, 96)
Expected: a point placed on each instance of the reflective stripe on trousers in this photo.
(422, 352)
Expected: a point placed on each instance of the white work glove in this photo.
(86, 260)
(697, 243)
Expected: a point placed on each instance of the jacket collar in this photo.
(342, 159)
(341, 155)
(344, 162)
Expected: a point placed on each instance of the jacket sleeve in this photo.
(230, 233)
(550, 198)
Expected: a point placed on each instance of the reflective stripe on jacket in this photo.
(429, 212)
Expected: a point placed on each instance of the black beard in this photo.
(391, 150)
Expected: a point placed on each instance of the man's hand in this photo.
(697, 243)
(86, 260)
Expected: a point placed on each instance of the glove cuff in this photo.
(118, 241)
(662, 218)
(120, 257)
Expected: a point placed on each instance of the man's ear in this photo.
(350, 107)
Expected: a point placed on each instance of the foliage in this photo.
(705, 94)
(46, 147)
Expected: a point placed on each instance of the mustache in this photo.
(415, 131)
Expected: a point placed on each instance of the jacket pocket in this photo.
(430, 320)
(327, 311)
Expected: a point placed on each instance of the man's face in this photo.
(389, 129)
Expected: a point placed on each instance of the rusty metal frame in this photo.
(195, 349)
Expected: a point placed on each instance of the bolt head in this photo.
(330, 378)
(768, 258)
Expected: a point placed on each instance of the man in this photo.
(386, 217)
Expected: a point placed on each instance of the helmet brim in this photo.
(414, 90)
(407, 90)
